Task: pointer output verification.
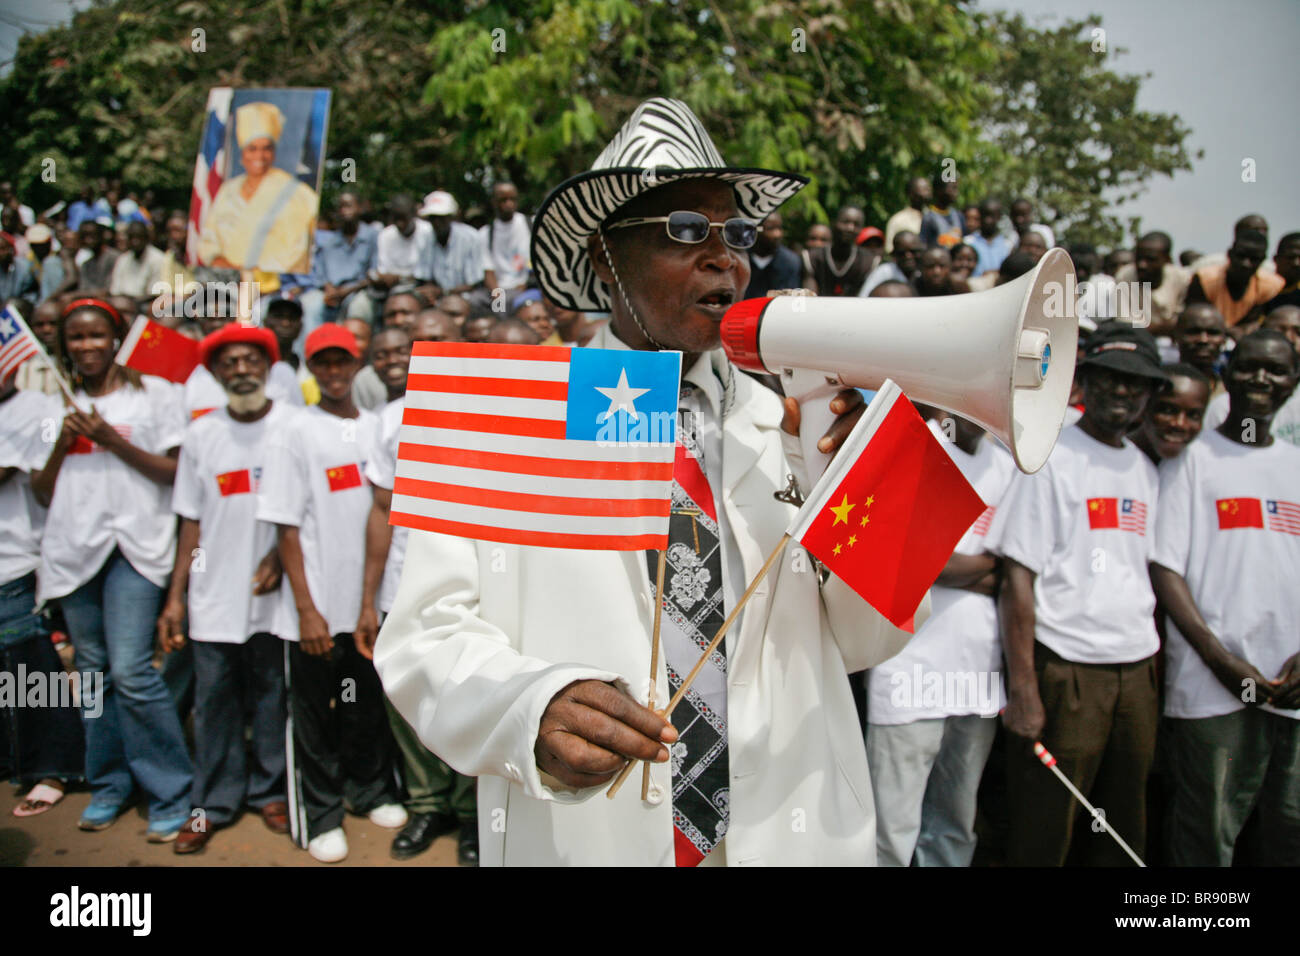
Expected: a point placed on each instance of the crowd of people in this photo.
(219, 550)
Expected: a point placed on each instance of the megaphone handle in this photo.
(813, 391)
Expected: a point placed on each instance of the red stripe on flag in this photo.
(475, 385)
(538, 504)
(538, 539)
(531, 465)
(688, 474)
(481, 350)
(475, 422)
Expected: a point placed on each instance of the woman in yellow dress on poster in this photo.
(264, 218)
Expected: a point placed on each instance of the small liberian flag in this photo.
(539, 445)
(210, 167)
(1133, 516)
(981, 525)
(17, 344)
(1283, 516)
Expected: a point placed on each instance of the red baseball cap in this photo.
(234, 333)
(870, 232)
(331, 336)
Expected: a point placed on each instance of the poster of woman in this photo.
(257, 179)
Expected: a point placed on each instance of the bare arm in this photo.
(967, 570)
(313, 631)
(171, 635)
(1232, 672)
(1024, 715)
(379, 534)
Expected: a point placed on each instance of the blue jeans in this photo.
(925, 776)
(137, 738)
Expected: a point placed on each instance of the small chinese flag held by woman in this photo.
(889, 510)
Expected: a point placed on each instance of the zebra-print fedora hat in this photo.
(662, 141)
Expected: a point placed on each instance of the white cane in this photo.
(1045, 755)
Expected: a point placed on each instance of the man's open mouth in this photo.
(718, 300)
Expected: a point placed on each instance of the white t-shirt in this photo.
(505, 250)
(1286, 423)
(203, 392)
(405, 255)
(315, 481)
(381, 470)
(217, 479)
(953, 665)
(1242, 577)
(23, 447)
(100, 502)
(1083, 525)
(135, 277)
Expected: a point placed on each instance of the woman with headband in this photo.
(106, 556)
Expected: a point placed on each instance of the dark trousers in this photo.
(342, 749)
(1101, 727)
(1221, 769)
(237, 685)
(38, 741)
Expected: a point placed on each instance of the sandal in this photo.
(42, 797)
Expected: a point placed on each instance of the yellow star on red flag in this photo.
(841, 511)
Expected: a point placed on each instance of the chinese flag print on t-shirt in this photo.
(1239, 513)
(234, 483)
(1103, 513)
(343, 477)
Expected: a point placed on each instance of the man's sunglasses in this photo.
(693, 228)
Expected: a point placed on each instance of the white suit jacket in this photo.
(482, 636)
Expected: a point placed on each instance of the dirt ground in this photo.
(52, 839)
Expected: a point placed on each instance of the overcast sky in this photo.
(1227, 68)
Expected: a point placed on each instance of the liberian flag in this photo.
(982, 523)
(1284, 516)
(539, 445)
(1133, 516)
(210, 167)
(17, 343)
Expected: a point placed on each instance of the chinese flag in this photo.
(234, 483)
(154, 349)
(889, 510)
(343, 477)
(1103, 512)
(1239, 513)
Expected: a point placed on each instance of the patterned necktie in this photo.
(692, 614)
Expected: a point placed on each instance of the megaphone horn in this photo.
(1003, 358)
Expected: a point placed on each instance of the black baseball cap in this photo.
(1122, 347)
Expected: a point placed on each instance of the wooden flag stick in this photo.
(654, 657)
(708, 652)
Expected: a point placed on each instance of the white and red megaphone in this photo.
(1003, 358)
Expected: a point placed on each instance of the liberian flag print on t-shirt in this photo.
(539, 445)
(1283, 516)
(1123, 514)
(982, 523)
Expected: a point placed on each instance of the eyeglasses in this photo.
(693, 228)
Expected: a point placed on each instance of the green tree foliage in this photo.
(857, 94)
(1069, 130)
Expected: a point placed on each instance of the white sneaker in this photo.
(390, 816)
(330, 847)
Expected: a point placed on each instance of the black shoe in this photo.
(467, 851)
(419, 833)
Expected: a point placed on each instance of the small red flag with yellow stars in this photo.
(889, 510)
(154, 349)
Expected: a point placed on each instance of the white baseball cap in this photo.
(439, 203)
